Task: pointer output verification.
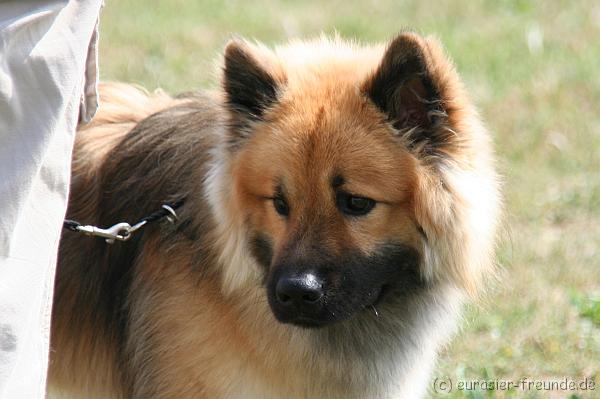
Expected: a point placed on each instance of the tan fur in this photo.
(401, 180)
(193, 321)
(123, 106)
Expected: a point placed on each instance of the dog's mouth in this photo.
(381, 293)
(319, 294)
(332, 309)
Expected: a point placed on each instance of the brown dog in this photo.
(340, 204)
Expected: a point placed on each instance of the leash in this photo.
(123, 231)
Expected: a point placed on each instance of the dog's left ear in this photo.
(250, 82)
(416, 87)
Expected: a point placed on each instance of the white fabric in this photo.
(46, 47)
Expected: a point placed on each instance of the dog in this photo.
(339, 206)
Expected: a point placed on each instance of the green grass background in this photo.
(533, 68)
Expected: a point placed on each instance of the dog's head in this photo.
(350, 175)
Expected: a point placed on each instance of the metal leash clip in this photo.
(123, 231)
(120, 231)
(173, 215)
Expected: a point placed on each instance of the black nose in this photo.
(299, 290)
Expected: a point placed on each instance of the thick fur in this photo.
(182, 311)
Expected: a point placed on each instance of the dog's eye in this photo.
(354, 205)
(281, 206)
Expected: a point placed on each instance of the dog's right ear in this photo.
(249, 84)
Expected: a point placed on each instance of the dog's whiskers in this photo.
(375, 310)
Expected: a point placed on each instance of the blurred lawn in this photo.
(534, 70)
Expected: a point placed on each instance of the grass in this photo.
(532, 68)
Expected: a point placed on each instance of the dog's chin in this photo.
(304, 320)
(309, 323)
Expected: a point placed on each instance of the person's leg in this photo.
(44, 46)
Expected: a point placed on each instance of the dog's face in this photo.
(328, 200)
(325, 175)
